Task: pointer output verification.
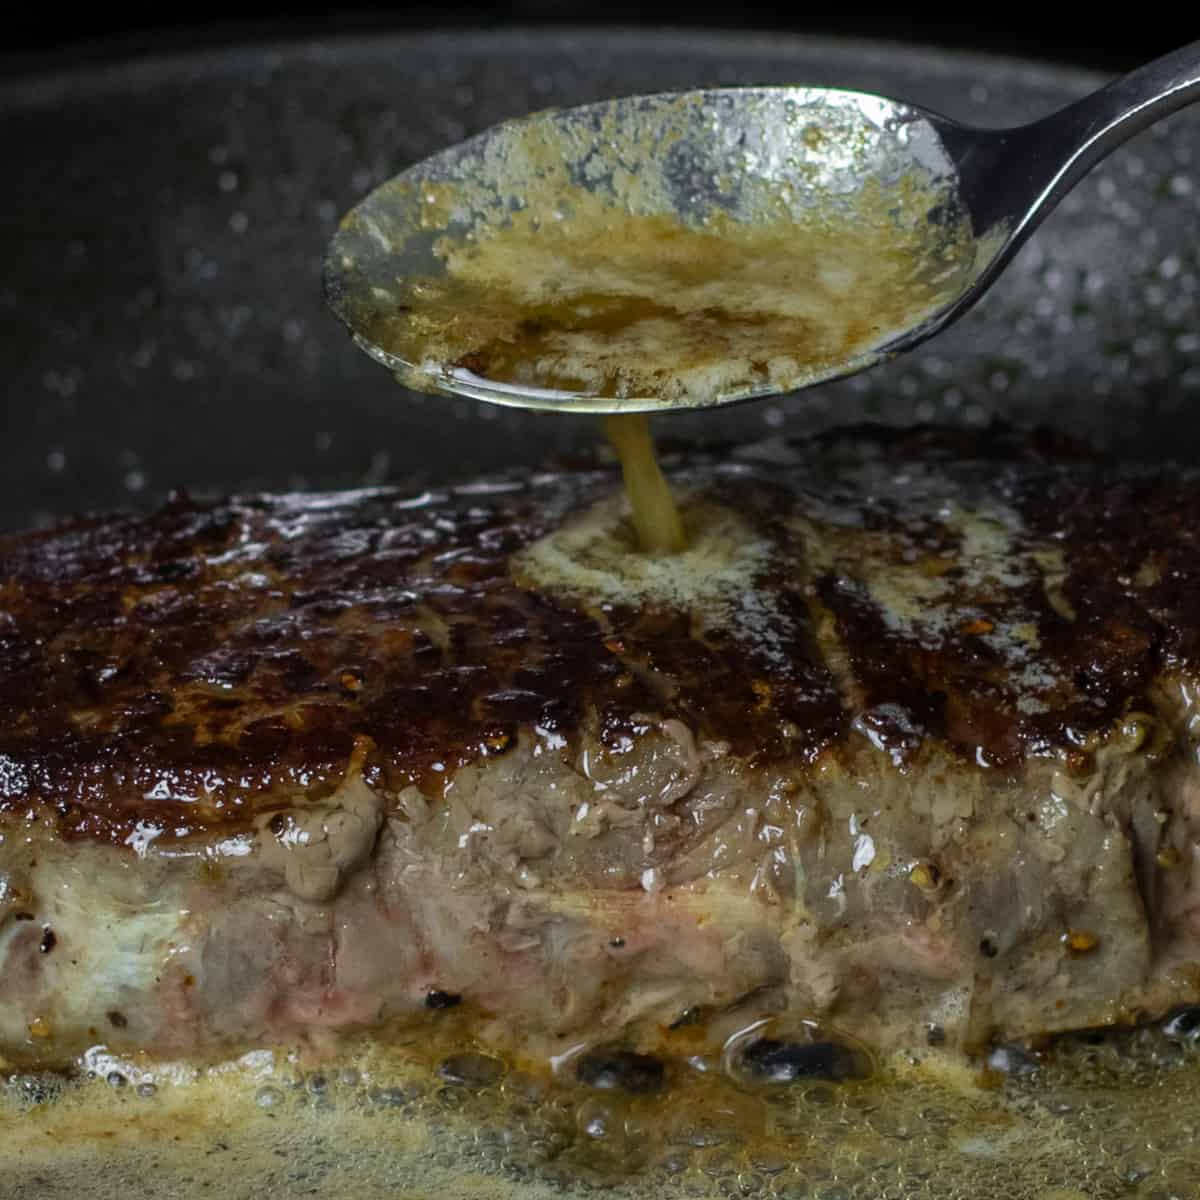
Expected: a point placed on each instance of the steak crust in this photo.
(276, 766)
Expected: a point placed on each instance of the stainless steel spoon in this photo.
(730, 152)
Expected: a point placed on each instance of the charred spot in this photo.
(174, 570)
(118, 1020)
(23, 916)
(263, 740)
(988, 948)
(49, 940)
(438, 1000)
(621, 1070)
(935, 1035)
(296, 672)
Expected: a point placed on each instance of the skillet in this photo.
(163, 326)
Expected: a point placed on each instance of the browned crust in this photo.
(189, 668)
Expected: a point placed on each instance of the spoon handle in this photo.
(1091, 128)
(1030, 168)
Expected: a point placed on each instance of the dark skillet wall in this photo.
(1024, 29)
(161, 317)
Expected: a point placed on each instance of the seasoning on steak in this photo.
(904, 741)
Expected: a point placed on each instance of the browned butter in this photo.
(601, 302)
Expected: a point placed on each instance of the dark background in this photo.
(1090, 39)
(161, 314)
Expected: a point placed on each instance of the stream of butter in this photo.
(655, 514)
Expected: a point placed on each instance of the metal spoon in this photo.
(960, 200)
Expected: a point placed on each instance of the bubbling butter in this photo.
(590, 559)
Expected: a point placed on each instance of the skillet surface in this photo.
(164, 221)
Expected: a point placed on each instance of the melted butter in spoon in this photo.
(596, 301)
(657, 252)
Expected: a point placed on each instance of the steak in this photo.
(904, 743)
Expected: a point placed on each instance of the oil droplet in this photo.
(925, 876)
(1080, 941)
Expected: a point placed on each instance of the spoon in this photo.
(708, 247)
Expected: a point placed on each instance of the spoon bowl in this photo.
(703, 248)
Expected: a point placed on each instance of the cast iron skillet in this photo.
(161, 319)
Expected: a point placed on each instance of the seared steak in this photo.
(904, 740)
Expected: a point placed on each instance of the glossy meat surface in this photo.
(173, 669)
(180, 669)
